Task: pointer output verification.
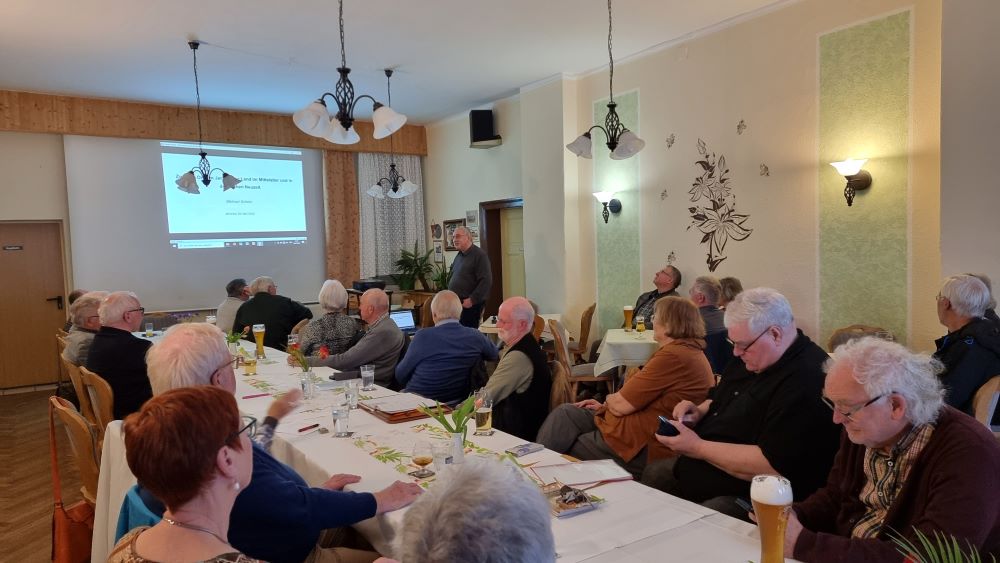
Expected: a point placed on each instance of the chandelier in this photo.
(621, 142)
(393, 185)
(188, 182)
(314, 119)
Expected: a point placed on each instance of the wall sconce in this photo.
(610, 204)
(857, 179)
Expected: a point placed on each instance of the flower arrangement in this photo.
(234, 337)
(459, 417)
(300, 358)
(324, 352)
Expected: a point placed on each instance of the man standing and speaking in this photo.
(471, 277)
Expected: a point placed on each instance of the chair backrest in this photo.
(560, 343)
(562, 389)
(984, 404)
(538, 327)
(61, 347)
(102, 399)
(585, 321)
(86, 408)
(299, 326)
(83, 441)
(718, 350)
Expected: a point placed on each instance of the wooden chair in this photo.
(60, 333)
(83, 442)
(581, 373)
(86, 409)
(579, 347)
(562, 389)
(537, 328)
(299, 326)
(984, 403)
(101, 398)
(61, 347)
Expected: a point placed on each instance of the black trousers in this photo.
(471, 316)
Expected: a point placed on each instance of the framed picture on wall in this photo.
(471, 217)
(449, 232)
(436, 230)
(438, 252)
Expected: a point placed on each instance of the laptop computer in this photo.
(404, 320)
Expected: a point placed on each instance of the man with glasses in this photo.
(666, 281)
(765, 416)
(86, 324)
(278, 516)
(278, 314)
(906, 463)
(118, 356)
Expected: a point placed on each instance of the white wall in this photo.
(970, 120)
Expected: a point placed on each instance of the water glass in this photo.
(308, 385)
(292, 339)
(341, 413)
(210, 319)
(441, 451)
(149, 330)
(352, 388)
(368, 377)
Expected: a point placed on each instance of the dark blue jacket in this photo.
(438, 362)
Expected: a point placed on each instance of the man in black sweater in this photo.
(118, 356)
(276, 312)
(471, 277)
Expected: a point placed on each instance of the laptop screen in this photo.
(403, 319)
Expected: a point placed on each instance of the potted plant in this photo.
(441, 276)
(412, 267)
(456, 426)
(937, 547)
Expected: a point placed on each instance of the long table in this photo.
(633, 524)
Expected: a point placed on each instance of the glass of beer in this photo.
(772, 499)
(628, 318)
(249, 366)
(640, 325)
(422, 457)
(258, 336)
(484, 416)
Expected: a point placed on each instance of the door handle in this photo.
(58, 299)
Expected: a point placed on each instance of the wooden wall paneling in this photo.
(45, 113)
(343, 218)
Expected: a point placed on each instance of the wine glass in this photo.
(422, 457)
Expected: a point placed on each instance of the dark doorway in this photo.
(491, 241)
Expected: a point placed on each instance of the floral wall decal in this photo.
(670, 140)
(741, 127)
(716, 217)
(764, 170)
(663, 195)
(671, 258)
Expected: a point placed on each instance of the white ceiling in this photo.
(277, 56)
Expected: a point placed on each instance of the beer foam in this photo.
(629, 307)
(771, 489)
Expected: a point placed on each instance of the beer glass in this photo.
(628, 318)
(250, 366)
(640, 324)
(772, 499)
(149, 330)
(258, 336)
(484, 416)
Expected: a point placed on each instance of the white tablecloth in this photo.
(624, 349)
(113, 482)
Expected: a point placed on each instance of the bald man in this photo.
(380, 346)
(521, 384)
(471, 277)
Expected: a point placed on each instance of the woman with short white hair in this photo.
(335, 330)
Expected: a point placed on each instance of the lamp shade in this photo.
(376, 192)
(310, 119)
(628, 145)
(604, 196)
(229, 181)
(849, 167)
(387, 121)
(405, 189)
(340, 136)
(581, 146)
(188, 183)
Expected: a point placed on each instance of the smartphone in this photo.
(666, 429)
(742, 503)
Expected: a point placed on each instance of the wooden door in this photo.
(31, 309)
(512, 244)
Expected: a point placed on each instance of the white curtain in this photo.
(389, 225)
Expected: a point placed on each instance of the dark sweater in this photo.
(439, 360)
(278, 314)
(971, 356)
(953, 487)
(471, 275)
(120, 359)
(522, 414)
(278, 517)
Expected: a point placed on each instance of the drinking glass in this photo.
(484, 414)
(368, 377)
(210, 319)
(772, 498)
(292, 339)
(628, 317)
(341, 413)
(258, 336)
(352, 388)
(422, 457)
(441, 451)
(308, 385)
(149, 330)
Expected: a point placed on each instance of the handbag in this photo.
(72, 526)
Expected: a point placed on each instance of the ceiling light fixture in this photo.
(314, 119)
(188, 182)
(621, 142)
(397, 186)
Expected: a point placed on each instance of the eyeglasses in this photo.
(848, 414)
(140, 309)
(744, 347)
(235, 361)
(248, 424)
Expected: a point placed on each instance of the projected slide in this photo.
(269, 201)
